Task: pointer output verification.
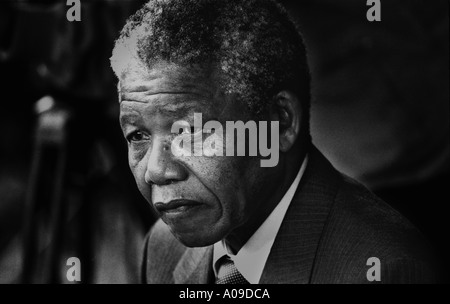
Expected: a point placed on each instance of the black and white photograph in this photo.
(221, 142)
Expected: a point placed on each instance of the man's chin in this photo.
(194, 239)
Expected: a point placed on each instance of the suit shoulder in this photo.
(361, 226)
(161, 255)
(367, 216)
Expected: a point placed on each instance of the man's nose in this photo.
(162, 167)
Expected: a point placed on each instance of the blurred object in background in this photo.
(55, 54)
(380, 89)
(380, 109)
(380, 113)
(89, 207)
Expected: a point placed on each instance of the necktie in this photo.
(228, 273)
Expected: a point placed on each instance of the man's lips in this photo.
(176, 206)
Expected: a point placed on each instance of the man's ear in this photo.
(288, 112)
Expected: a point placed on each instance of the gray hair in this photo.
(255, 44)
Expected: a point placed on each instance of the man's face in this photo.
(201, 198)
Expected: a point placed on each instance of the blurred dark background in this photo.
(380, 113)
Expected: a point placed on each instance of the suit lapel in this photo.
(194, 266)
(292, 256)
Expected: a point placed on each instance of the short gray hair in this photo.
(255, 43)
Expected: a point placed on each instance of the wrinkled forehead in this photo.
(167, 78)
(174, 91)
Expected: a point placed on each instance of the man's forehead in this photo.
(175, 91)
(168, 79)
(162, 107)
(166, 104)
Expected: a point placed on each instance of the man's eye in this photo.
(137, 136)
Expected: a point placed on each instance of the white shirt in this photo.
(252, 257)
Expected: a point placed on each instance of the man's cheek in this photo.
(132, 160)
(205, 168)
(136, 155)
(145, 190)
(134, 167)
(138, 170)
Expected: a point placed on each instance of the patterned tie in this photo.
(228, 273)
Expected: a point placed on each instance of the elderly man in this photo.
(227, 218)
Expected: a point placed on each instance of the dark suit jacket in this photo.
(332, 227)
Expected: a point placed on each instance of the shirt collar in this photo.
(252, 257)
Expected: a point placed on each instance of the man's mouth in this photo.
(176, 206)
